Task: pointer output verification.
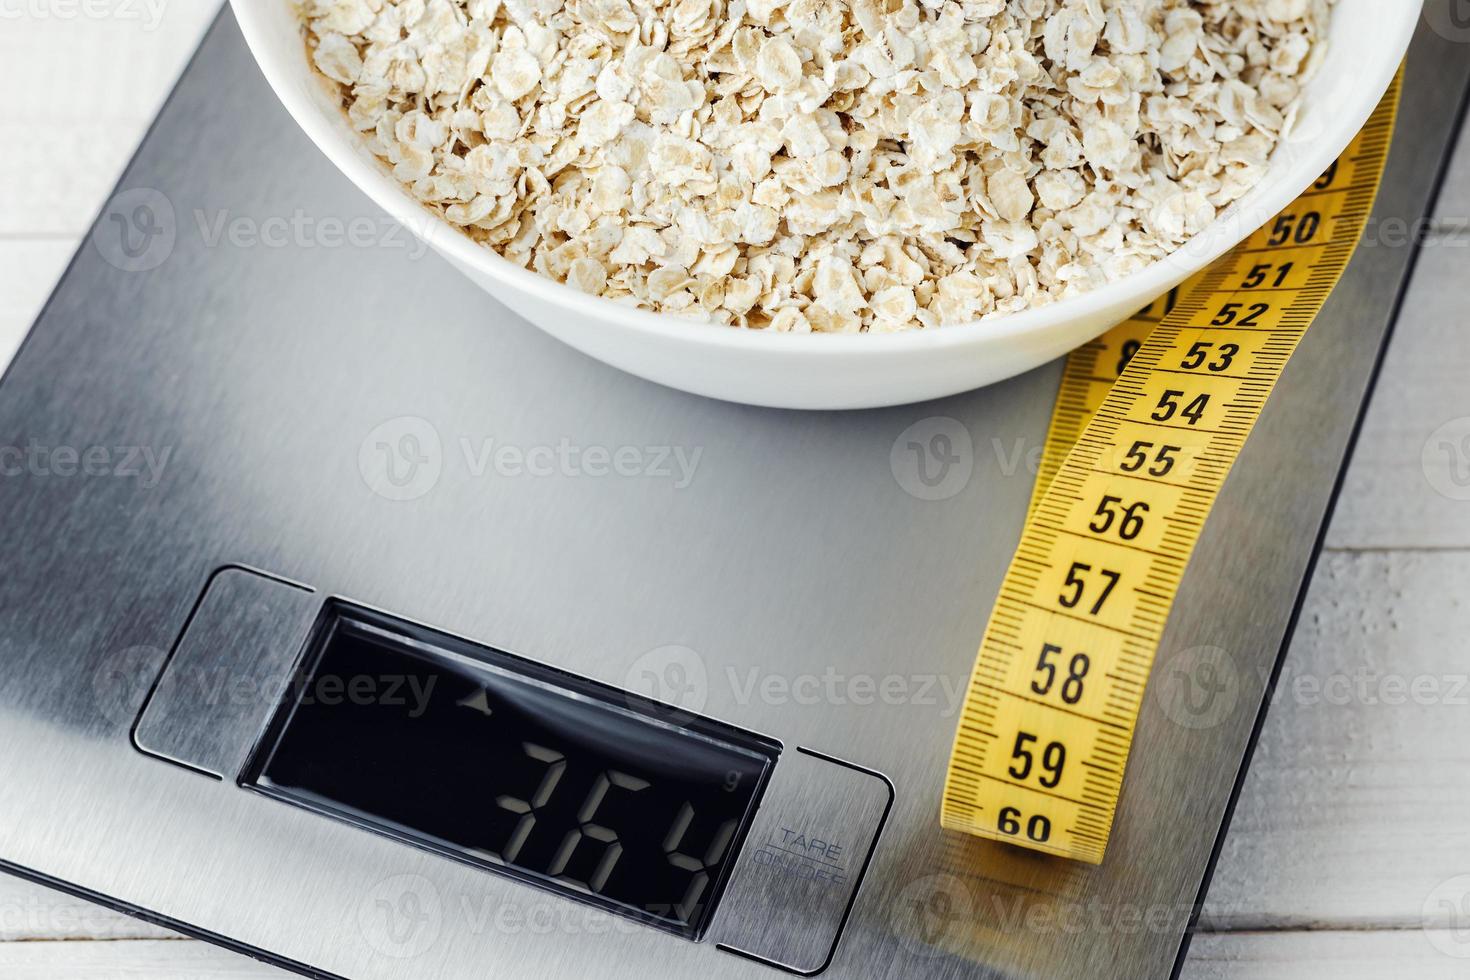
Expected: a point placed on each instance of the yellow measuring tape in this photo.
(1148, 423)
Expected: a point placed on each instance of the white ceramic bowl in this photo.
(819, 371)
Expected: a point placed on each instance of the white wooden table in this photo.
(1349, 854)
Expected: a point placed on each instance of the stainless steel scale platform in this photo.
(274, 486)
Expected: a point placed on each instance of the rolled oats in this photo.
(823, 165)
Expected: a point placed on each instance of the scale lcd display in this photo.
(503, 763)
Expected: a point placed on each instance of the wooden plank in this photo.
(1340, 955)
(64, 152)
(29, 271)
(1454, 198)
(118, 62)
(1343, 955)
(1247, 956)
(145, 960)
(1409, 483)
(31, 913)
(55, 176)
(1353, 810)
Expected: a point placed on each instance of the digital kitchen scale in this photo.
(354, 624)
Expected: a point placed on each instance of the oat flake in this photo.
(823, 165)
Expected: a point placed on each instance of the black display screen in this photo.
(514, 766)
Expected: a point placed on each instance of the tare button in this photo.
(798, 873)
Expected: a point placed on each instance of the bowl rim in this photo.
(346, 152)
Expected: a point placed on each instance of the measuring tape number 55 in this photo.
(1148, 423)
